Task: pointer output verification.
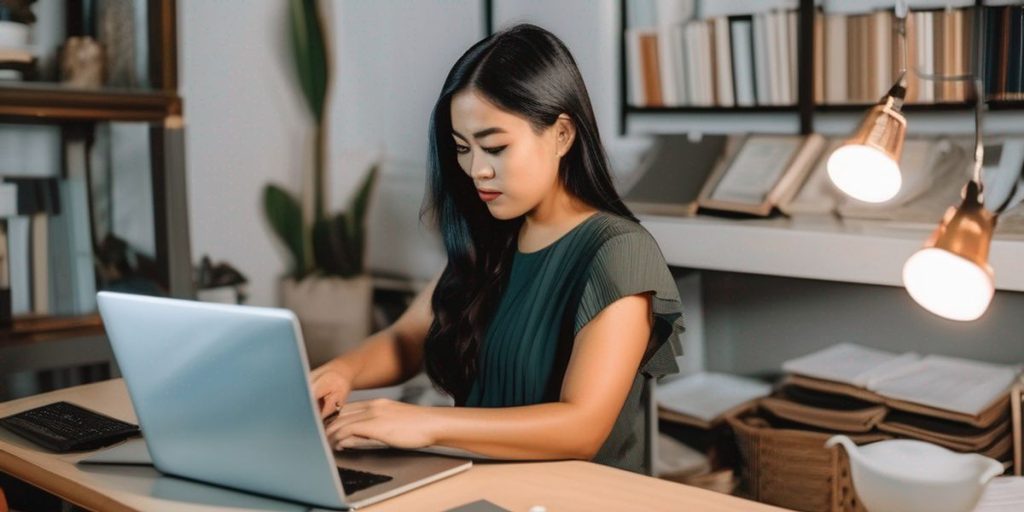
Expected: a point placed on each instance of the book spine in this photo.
(723, 63)
(761, 60)
(835, 62)
(819, 58)
(743, 62)
(652, 78)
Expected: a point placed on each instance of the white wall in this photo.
(245, 127)
(589, 28)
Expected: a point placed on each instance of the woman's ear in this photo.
(565, 133)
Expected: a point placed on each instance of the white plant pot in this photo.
(13, 35)
(335, 313)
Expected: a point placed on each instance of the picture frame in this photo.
(762, 171)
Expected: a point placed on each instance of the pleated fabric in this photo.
(550, 295)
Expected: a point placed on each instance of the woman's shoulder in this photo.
(611, 226)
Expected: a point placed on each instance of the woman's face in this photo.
(502, 154)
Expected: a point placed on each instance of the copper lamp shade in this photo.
(883, 128)
(951, 276)
(866, 167)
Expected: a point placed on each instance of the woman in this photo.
(554, 303)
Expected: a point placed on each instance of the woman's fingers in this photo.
(360, 442)
(345, 424)
(331, 404)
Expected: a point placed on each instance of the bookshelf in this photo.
(42, 343)
(868, 252)
(806, 113)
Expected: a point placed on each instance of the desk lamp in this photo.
(950, 276)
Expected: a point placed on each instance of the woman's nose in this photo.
(482, 171)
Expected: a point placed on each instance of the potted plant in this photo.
(327, 285)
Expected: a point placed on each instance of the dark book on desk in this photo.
(66, 427)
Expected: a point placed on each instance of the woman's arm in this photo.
(604, 361)
(392, 355)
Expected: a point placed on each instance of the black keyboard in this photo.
(65, 427)
(355, 481)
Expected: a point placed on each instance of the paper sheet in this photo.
(1003, 494)
(706, 396)
(849, 363)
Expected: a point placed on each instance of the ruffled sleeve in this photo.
(627, 264)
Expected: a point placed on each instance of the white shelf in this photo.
(812, 248)
(953, 122)
(661, 123)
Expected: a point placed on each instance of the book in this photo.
(933, 171)
(849, 363)
(1002, 494)
(15, 55)
(704, 399)
(927, 60)
(825, 410)
(8, 200)
(19, 239)
(723, 63)
(5, 277)
(950, 434)
(40, 263)
(761, 172)
(649, 69)
(660, 187)
(957, 389)
(835, 59)
(667, 63)
(762, 82)
(816, 195)
(792, 25)
(741, 44)
(819, 58)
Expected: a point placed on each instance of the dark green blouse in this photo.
(550, 295)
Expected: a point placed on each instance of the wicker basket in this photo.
(792, 468)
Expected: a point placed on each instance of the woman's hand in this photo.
(369, 423)
(331, 386)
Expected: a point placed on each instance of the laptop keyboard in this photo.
(354, 481)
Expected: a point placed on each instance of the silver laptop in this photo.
(222, 396)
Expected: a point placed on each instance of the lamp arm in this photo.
(1016, 195)
(902, 11)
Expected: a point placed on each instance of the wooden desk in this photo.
(559, 486)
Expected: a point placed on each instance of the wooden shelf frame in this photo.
(36, 102)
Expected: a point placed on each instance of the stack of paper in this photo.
(704, 399)
(957, 403)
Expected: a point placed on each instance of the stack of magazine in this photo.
(694, 408)
(956, 403)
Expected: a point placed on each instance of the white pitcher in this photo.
(903, 475)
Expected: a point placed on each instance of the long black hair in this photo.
(527, 71)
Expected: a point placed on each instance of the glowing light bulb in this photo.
(864, 173)
(948, 285)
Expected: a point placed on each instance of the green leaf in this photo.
(310, 53)
(360, 206)
(324, 255)
(285, 217)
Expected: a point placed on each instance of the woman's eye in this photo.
(462, 150)
(495, 151)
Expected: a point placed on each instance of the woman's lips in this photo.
(487, 195)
